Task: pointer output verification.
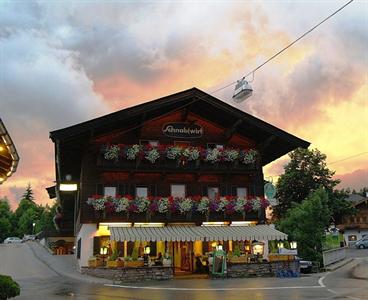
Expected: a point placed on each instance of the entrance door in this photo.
(183, 256)
(186, 256)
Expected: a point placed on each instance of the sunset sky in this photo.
(63, 63)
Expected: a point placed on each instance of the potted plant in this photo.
(8, 287)
(114, 261)
(94, 262)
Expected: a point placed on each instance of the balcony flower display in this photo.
(173, 152)
(230, 155)
(163, 205)
(121, 204)
(98, 202)
(112, 152)
(185, 205)
(152, 155)
(133, 151)
(182, 153)
(214, 155)
(203, 205)
(188, 205)
(248, 157)
(239, 204)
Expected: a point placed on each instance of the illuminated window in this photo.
(141, 191)
(178, 190)
(212, 192)
(215, 146)
(241, 192)
(110, 191)
(153, 143)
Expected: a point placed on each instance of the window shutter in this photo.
(204, 190)
(96, 245)
(121, 189)
(99, 189)
(223, 190)
(233, 191)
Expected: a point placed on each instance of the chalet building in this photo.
(174, 177)
(355, 227)
(8, 154)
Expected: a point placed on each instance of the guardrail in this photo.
(333, 255)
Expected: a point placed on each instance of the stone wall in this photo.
(131, 274)
(265, 269)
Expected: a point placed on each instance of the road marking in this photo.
(320, 281)
(213, 289)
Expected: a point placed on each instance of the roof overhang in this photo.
(196, 233)
(9, 157)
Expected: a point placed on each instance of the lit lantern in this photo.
(103, 250)
(258, 248)
(147, 250)
(293, 245)
(220, 247)
(214, 244)
(280, 244)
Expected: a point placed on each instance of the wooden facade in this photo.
(80, 153)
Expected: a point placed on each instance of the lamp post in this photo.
(147, 251)
(293, 245)
(103, 252)
(69, 186)
(33, 226)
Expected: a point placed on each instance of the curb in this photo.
(338, 265)
(83, 278)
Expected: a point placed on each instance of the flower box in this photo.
(115, 264)
(94, 262)
(134, 264)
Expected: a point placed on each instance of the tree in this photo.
(8, 287)
(305, 173)
(5, 219)
(28, 194)
(306, 223)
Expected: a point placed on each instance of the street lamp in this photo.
(147, 251)
(280, 244)
(33, 225)
(293, 245)
(69, 186)
(103, 252)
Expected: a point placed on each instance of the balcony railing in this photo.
(176, 158)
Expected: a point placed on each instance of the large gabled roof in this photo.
(273, 141)
(9, 157)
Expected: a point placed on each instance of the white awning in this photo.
(196, 233)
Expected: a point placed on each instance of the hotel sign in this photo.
(182, 130)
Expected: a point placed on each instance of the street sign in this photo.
(269, 190)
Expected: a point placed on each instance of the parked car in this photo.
(362, 243)
(305, 265)
(29, 237)
(13, 240)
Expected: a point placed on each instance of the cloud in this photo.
(354, 180)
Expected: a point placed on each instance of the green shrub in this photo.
(8, 287)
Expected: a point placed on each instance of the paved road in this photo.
(38, 281)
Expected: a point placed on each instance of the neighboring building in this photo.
(178, 162)
(8, 154)
(355, 227)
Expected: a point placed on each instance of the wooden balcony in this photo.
(165, 165)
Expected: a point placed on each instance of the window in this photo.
(241, 192)
(153, 143)
(352, 238)
(110, 191)
(212, 192)
(178, 190)
(141, 191)
(215, 146)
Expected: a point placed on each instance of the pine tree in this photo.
(28, 194)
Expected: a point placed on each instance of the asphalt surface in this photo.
(39, 281)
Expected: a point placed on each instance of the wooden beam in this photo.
(262, 146)
(230, 131)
